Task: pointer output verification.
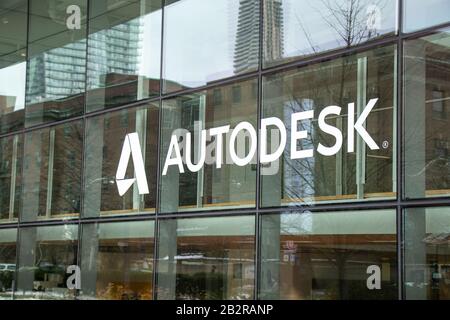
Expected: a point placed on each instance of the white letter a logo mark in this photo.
(131, 147)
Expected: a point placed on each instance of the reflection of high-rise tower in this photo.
(60, 72)
(114, 51)
(273, 26)
(56, 73)
(247, 38)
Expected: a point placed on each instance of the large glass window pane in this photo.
(295, 28)
(209, 40)
(10, 177)
(357, 162)
(329, 255)
(13, 41)
(427, 115)
(8, 238)
(44, 255)
(52, 172)
(419, 14)
(427, 253)
(124, 50)
(215, 182)
(56, 60)
(117, 260)
(107, 138)
(206, 258)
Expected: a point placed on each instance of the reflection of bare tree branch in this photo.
(306, 33)
(348, 19)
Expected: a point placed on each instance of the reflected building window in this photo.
(328, 255)
(206, 259)
(52, 172)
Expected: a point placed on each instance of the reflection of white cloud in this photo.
(12, 83)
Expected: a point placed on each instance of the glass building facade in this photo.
(352, 96)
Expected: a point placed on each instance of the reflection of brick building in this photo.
(105, 137)
(437, 115)
(120, 89)
(221, 106)
(10, 119)
(6, 157)
(52, 110)
(10, 166)
(55, 150)
(335, 83)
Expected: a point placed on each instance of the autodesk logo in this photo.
(209, 144)
(131, 148)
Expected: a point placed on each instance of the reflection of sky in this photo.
(199, 40)
(306, 23)
(420, 14)
(150, 54)
(12, 83)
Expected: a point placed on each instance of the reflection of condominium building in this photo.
(57, 77)
(247, 38)
(114, 52)
(273, 26)
(55, 83)
(57, 73)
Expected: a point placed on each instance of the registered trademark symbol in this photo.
(385, 144)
